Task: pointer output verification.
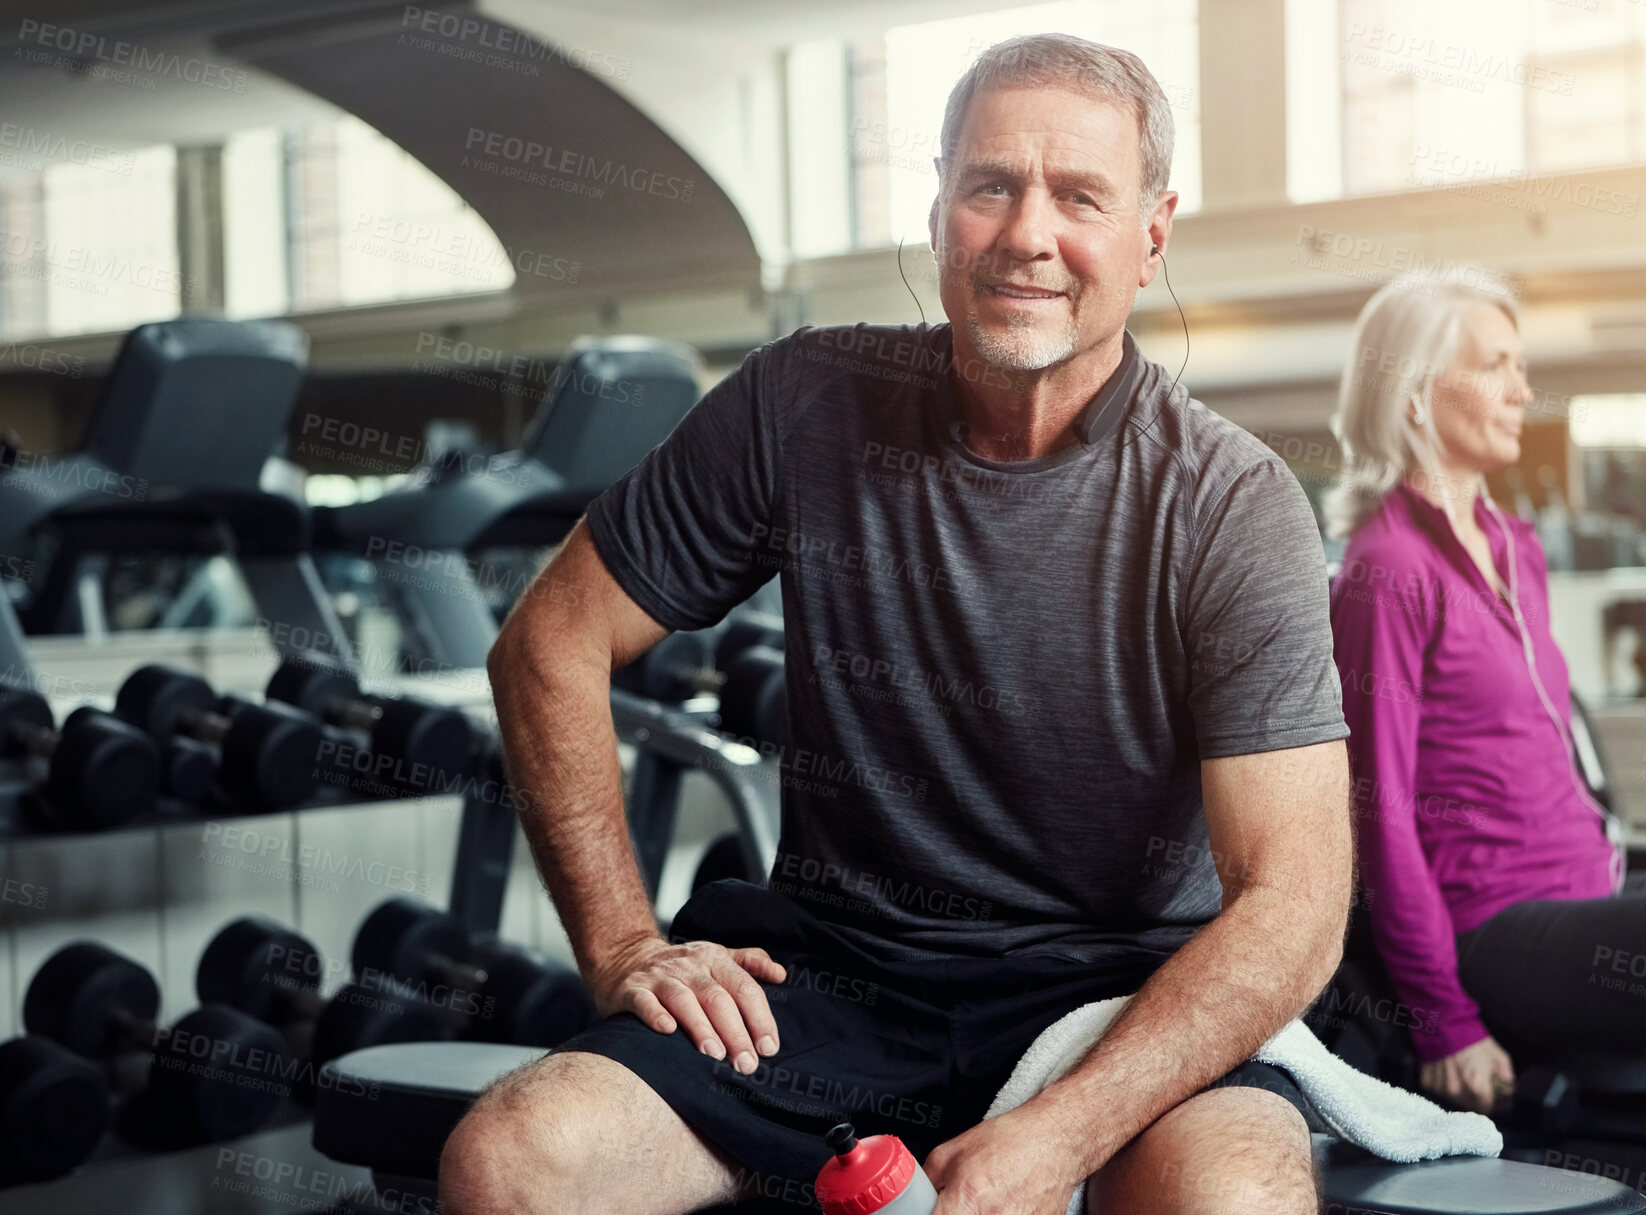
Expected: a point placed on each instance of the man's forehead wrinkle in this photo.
(1075, 151)
(1082, 167)
(1074, 137)
(1033, 112)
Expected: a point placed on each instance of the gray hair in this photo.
(1404, 339)
(1062, 60)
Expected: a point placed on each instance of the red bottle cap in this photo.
(865, 1174)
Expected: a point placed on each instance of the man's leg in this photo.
(578, 1134)
(1225, 1151)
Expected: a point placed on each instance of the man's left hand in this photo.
(1015, 1164)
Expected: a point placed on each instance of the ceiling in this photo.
(54, 96)
(607, 189)
(80, 102)
(225, 66)
(212, 69)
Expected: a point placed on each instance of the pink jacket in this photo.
(1466, 797)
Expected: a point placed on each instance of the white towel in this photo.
(1387, 1121)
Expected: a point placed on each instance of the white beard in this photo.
(1021, 346)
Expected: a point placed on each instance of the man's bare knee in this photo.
(577, 1132)
(503, 1148)
(1233, 1151)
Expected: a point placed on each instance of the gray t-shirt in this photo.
(1002, 676)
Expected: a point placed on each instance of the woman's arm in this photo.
(1381, 627)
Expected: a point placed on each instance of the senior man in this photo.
(1065, 727)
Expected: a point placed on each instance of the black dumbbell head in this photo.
(660, 673)
(269, 756)
(531, 1001)
(375, 1014)
(218, 1074)
(259, 967)
(754, 702)
(430, 744)
(20, 707)
(188, 770)
(154, 698)
(103, 773)
(744, 632)
(82, 993)
(311, 686)
(54, 1107)
(401, 936)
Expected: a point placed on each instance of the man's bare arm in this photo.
(550, 672)
(1279, 824)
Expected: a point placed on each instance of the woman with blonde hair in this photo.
(1493, 888)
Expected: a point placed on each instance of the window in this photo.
(22, 284)
(91, 247)
(369, 224)
(1599, 522)
(331, 216)
(924, 61)
(820, 214)
(866, 117)
(1472, 90)
(254, 225)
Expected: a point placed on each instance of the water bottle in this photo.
(877, 1174)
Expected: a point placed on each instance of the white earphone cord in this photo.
(1614, 829)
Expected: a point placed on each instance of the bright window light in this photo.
(924, 61)
(1609, 420)
(254, 225)
(371, 224)
(110, 256)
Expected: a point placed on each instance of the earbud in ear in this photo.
(1154, 250)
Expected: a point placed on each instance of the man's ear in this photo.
(1158, 235)
(931, 224)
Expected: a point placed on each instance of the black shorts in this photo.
(917, 1050)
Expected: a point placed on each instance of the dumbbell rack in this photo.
(668, 743)
(17, 826)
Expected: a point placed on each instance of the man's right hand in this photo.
(705, 987)
(1480, 1077)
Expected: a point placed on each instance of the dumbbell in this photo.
(754, 702)
(54, 1108)
(744, 631)
(688, 664)
(529, 999)
(377, 1012)
(273, 974)
(672, 671)
(265, 754)
(99, 773)
(188, 767)
(429, 743)
(518, 998)
(214, 1075)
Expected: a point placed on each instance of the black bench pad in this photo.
(391, 1108)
